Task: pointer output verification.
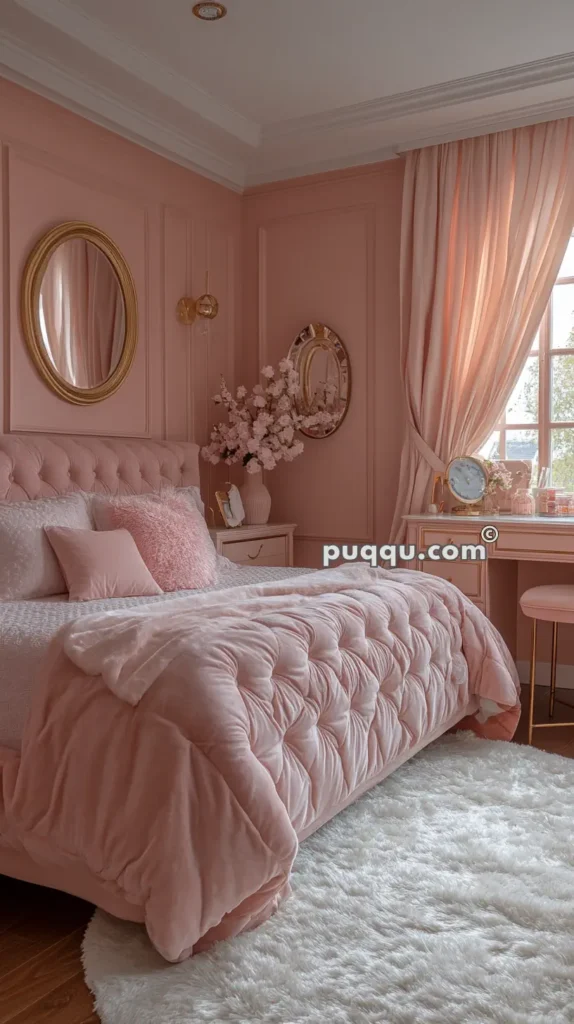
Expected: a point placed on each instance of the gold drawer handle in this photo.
(253, 557)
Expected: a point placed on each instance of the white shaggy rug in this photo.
(444, 896)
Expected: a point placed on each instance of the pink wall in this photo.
(326, 248)
(170, 224)
(322, 248)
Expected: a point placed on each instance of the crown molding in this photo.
(391, 166)
(533, 113)
(234, 151)
(256, 177)
(416, 101)
(517, 117)
(91, 34)
(43, 76)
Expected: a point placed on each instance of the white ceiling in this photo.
(280, 88)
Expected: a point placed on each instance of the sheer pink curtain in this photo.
(486, 223)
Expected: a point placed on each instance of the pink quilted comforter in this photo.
(180, 750)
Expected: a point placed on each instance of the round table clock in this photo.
(467, 479)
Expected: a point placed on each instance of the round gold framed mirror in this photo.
(324, 369)
(79, 312)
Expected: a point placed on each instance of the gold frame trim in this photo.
(31, 283)
(313, 337)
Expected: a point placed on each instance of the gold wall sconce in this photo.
(206, 307)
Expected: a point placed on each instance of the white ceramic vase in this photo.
(256, 499)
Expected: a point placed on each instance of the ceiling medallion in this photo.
(209, 11)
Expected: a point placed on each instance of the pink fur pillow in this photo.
(171, 536)
(98, 565)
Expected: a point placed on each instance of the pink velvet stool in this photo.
(550, 604)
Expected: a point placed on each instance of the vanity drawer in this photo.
(259, 551)
(467, 576)
(448, 536)
(516, 543)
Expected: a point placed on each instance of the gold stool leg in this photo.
(532, 682)
(553, 670)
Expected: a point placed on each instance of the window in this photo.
(539, 419)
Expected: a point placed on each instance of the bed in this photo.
(163, 757)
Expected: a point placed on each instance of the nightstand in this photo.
(271, 544)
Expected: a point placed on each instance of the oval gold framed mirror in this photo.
(324, 369)
(79, 313)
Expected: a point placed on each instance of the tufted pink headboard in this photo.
(43, 465)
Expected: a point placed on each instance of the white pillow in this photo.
(28, 565)
(194, 495)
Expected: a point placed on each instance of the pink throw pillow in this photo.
(99, 565)
(171, 535)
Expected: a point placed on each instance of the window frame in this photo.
(543, 350)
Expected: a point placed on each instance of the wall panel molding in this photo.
(56, 167)
(357, 219)
(41, 197)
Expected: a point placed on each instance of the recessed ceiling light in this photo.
(209, 11)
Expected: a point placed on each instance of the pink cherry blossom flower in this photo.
(262, 424)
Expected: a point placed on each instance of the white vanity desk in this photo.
(492, 584)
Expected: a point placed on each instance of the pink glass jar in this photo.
(522, 503)
(548, 501)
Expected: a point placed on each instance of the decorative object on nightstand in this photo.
(230, 506)
(268, 544)
(256, 498)
(261, 431)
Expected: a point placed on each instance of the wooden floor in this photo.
(557, 741)
(41, 980)
(41, 931)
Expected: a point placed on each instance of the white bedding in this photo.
(28, 627)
